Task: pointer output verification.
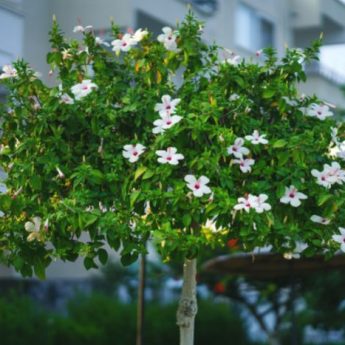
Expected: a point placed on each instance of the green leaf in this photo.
(148, 174)
(39, 270)
(134, 197)
(128, 259)
(323, 198)
(139, 172)
(89, 263)
(279, 143)
(187, 220)
(102, 256)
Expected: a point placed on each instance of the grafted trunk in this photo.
(187, 308)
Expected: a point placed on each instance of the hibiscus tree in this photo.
(118, 151)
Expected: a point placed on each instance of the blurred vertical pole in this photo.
(141, 299)
(294, 335)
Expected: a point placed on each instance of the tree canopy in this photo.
(171, 139)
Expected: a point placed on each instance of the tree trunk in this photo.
(187, 308)
(141, 300)
(273, 340)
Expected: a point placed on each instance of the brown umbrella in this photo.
(270, 265)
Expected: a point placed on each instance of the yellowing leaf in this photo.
(139, 172)
(159, 77)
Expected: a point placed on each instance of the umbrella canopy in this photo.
(270, 265)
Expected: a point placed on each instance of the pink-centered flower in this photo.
(260, 204)
(82, 89)
(164, 123)
(237, 149)
(66, 99)
(8, 72)
(132, 152)
(256, 138)
(320, 111)
(321, 220)
(340, 238)
(168, 38)
(292, 196)
(168, 105)
(245, 203)
(198, 186)
(124, 44)
(245, 164)
(330, 175)
(170, 156)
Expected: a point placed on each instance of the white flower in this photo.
(340, 238)
(245, 164)
(296, 253)
(100, 41)
(289, 101)
(83, 89)
(334, 171)
(256, 138)
(102, 208)
(260, 205)
(237, 149)
(232, 58)
(323, 178)
(292, 196)
(124, 44)
(245, 203)
(168, 105)
(334, 135)
(132, 152)
(330, 175)
(139, 35)
(60, 173)
(66, 99)
(234, 97)
(164, 123)
(321, 111)
(80, 28)
(169, 156)
(168, 38)
(33, 227)
(198, 186)
(211, 225)
(321, 220)
(8, 72)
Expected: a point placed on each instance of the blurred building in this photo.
(244, 26)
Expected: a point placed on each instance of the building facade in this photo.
(243, 26)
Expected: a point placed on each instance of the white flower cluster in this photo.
(330, 175)
(8, 72)
(258, 203)
(127, 41)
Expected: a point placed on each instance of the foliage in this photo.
(62, 151)
(99, 320)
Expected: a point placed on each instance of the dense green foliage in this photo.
(63, 158)
(99, 320)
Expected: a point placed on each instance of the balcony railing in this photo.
(317, 68)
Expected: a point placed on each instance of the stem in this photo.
(187, 308)
(141, 300)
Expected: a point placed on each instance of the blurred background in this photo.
(98, 306)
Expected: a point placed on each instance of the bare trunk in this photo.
(141, 300)
(187, 308)
(273, 340)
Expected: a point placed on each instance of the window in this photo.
(11, 36)
(253, 31)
